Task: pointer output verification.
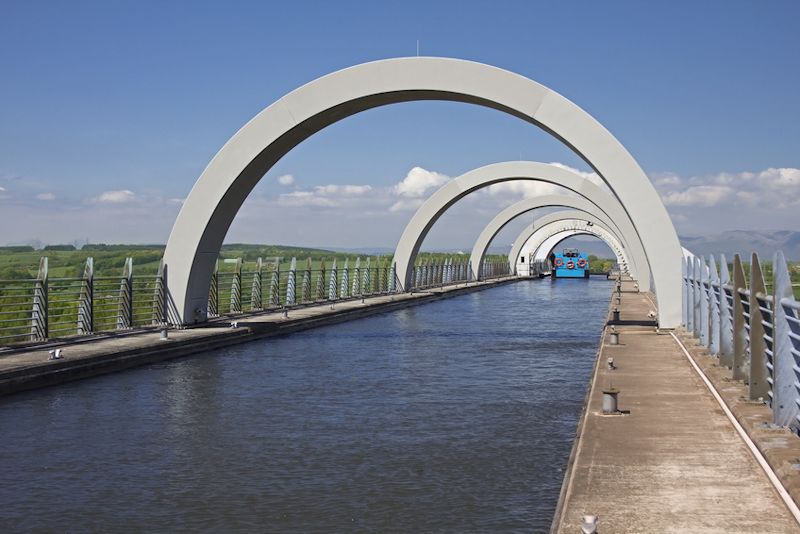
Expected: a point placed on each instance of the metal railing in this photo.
(44, 308)
(267, 287)
(754, 331)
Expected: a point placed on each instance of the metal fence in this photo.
(431, 274)
(753, 328)
(44, 308)
(267, 287)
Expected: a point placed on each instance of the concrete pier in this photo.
(671, 461)
(30, 368)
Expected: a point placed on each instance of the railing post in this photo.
(344, 287)
(291, 284)
(160, 314)
(236, 287)
(320, 293)
(715, 295)
(256, 303)
(40, 329)
(786, 389)
(365, 281)
(698, 297)
(355, 290)
(725, 315)
(86, 302)
(689, 302)
(275, 284)
(333, 284)
(125, 300)
(705, 297)
(392, 278)
(760, 365)
(305, 288)
(740, 358)
(213, 292)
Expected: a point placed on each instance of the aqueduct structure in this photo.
(629, 213)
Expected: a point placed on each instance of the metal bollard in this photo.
(611, 365)
(615, 314)
(613, 338)
(610, 400)
(589, 524)
(164, 335)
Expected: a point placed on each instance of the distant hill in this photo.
(764, 242)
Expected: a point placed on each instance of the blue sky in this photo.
(110, 110)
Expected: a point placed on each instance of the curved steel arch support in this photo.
(566, 220)
(553, 240)
(218, 194)
(607, 205)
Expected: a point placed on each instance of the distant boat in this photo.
(570, 263)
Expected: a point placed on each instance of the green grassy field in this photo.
(19, 263)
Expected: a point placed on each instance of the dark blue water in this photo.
(452, 416)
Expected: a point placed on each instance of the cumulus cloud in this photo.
(45, 196)
(700, 195)
(331, 195)
(418, 181)
(123, 196)
(286, 179)
(773, 188)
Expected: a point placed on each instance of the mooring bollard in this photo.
(615, 314)
(613, 338)
(611, 365)
(589, 524)
(610, 400)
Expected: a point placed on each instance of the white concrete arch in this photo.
(218, 194)
(591, 192)
(543, 251)
(447, 195)
(570, 220)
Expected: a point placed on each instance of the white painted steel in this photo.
(608, 205)
(215, 199)
(543, 251)
(524, 244)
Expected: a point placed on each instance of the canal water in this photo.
(454, 416)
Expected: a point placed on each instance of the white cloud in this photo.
(700, 195)
(2, 189)
(331, 195)
(123, 196)
(418, 181)
(407, 204)
(770, 189)
(286, 179)
(46, 196)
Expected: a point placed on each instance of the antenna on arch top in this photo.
(417, 47)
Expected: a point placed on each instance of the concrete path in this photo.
(675, 463)
(30, 368)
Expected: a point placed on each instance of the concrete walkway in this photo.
(30, 368)
(675, 463)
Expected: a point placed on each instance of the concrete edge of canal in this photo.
(30, 369)
(559, 511)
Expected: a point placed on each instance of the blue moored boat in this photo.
(570, 264)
